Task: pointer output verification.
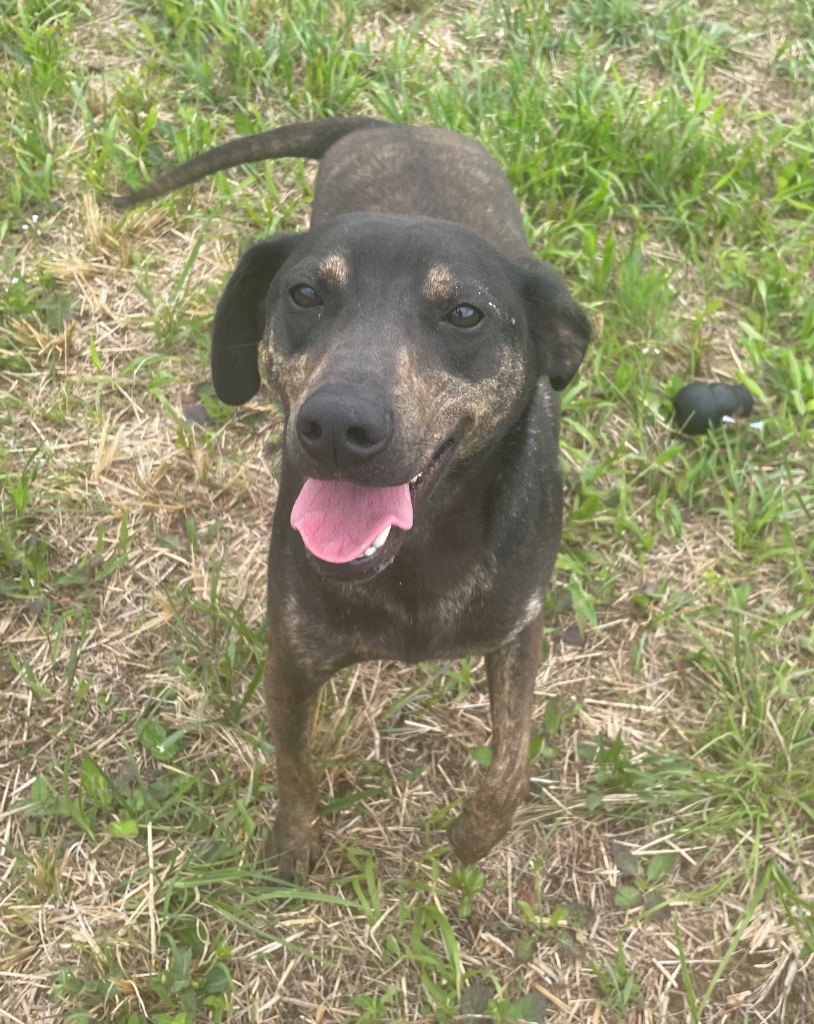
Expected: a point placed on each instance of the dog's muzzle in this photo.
(341, 427)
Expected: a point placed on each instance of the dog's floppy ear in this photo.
(557, 323)
(240, 319)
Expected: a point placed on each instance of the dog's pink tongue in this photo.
(339, 521)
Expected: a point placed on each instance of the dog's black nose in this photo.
(342, 426)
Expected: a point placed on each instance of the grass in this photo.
(662, 867)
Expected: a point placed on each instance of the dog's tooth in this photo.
(377, 543)
(370, 551)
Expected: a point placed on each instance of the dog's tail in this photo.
(309, 141)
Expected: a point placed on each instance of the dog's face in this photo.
(386, 345)
(399, 348)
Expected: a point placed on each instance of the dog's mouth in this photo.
(353, 532)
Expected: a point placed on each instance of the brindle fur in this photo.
(406, 224)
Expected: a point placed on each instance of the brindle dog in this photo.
(416, 347)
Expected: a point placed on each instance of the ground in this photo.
(662, 868)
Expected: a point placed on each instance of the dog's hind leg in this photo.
(487, 816)
(293, 844)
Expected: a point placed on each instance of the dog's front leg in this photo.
(291, 703)
(511, 672)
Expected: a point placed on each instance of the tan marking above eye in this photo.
(334, 268)
(439, 285)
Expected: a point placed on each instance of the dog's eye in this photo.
(464, 316)
(305, 296)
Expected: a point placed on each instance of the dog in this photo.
(416, 348)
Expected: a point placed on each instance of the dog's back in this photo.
(374, 166)
(427, 172)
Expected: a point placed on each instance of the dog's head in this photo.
(399, 348)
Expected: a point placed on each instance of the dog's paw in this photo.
(292, 851)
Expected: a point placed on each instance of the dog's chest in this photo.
(470, 618)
